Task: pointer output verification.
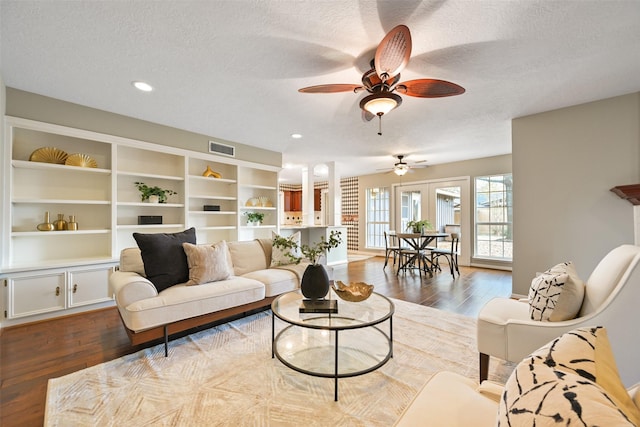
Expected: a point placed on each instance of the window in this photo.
(377, 216)
(410, 207)
(494, 217)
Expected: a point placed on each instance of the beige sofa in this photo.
(148, 314)
(570, 381)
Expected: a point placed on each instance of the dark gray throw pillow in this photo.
(165, 262)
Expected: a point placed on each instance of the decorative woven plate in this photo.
(49, 155)
(82, 160)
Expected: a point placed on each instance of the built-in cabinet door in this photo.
(296, 201)
(89, 286)
(35, 294)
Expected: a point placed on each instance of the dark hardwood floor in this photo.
(31, 354)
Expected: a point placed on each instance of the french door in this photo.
(445, 203)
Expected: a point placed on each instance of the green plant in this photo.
(146, 191)
(254, 216)
(311, 252)
(419, 225)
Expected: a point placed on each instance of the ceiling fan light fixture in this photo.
(401, 169)
(380, 103)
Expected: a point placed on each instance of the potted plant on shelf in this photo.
(315, 281)
(153, 194)
(254, 218)
(418, 226)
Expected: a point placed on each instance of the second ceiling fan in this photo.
(383, 79)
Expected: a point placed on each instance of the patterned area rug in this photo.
(225, 376)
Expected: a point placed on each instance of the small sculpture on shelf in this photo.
(153, 194)
(211, 173)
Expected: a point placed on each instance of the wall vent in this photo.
(224, 149)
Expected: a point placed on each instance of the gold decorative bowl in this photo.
(354, 292)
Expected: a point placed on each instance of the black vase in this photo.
(315, 282)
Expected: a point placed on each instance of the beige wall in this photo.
(36, 107)
(564, 164)
(470, 168)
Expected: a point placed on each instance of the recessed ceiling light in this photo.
(145, 87)
(296, 136)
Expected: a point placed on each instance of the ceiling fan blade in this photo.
(331, 88)
(393, 52)
(429, 88)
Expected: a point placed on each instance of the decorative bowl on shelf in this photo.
(353, 292)
(82, 160)
(49, 155)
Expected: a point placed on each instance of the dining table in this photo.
(417, 245)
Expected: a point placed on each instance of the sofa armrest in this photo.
(129, 287)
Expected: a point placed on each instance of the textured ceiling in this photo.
(231, 69)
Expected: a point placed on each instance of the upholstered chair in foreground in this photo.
(610, 297)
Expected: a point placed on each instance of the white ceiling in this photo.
(231, 69)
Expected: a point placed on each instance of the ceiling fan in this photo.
(401, 167)
(383, 79)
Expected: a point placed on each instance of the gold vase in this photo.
(72, 224)
(46, 225)
(60, 224)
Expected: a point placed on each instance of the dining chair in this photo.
(391, 247)
(450, 254)
(412, 258)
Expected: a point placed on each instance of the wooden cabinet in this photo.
(50, 271)
(317, 199)
(293, 200)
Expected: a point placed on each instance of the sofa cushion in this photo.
(570, 381)
(276, 281)
(281, 256)
(247, 256)
(556, 294)
(131, 260)
(182, 302)
(208, 263)
(165, 263)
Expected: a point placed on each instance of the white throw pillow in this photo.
(208, 263)
(556, 294)
(279, 255)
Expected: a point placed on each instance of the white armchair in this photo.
(611, 299)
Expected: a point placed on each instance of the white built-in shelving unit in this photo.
(47, 273)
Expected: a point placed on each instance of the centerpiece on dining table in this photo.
(419, 226)
(315, 280)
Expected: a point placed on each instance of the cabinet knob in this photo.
(57, 290)
(75, 288)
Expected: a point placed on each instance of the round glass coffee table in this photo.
(341, 344)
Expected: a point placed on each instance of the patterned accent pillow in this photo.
(571, 381)
(556, 294)
(279, 255)
(208, 263)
